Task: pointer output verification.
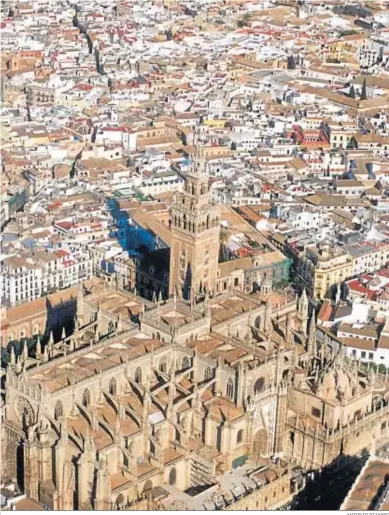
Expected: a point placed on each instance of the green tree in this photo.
(364, 91)
(244, 21)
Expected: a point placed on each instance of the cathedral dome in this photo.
(327, 386)
(344, 384)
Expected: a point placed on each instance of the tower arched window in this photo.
(111, 326)
(172, 476)
(185, 363)
(239, 436)
(86, 398)
(163, 365)
(230, 388)
(138, 375)
(113, 387)
(58, 411)
(208, 374)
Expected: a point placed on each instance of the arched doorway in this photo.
(260, 444)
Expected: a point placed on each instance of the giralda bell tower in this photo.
(195, 228)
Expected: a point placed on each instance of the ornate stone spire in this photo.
(311, 347)
(80, 302)
(289, 328)
(45, 354)
(12, 356)
(268, 316)
(38, 348)
(25, 351)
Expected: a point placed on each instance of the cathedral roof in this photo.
(78, 366)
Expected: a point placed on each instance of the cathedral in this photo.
(205, 400)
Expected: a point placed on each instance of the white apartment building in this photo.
(368, 257)
(24, 279)
(365, 344)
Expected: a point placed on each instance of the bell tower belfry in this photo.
(195, 229)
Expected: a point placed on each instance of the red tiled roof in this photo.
(325, 311)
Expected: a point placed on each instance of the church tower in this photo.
(195, 229)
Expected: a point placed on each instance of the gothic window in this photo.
(259, 385)
(112, 386)
(92, 317)
(162, 365)
(316, 412)
(148, 486)
(111, 327)
(119, 501)
(184, 218)
(25, 411)
(185, 363)
(239, 436)
(138, 375)
(86, 398)
(58, 411)
(172, 476)
(230, 389)
(158, 336)
(208, 374)
(260, 444)
(208, 221)
(35, 329)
